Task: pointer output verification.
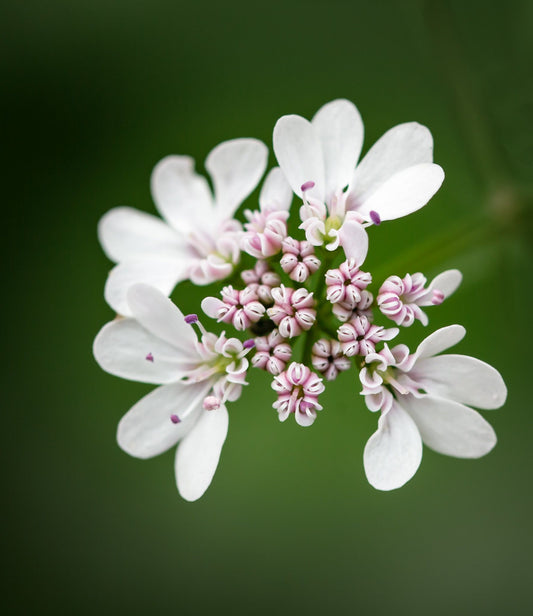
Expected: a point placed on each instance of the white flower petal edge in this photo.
(182, 196)
(341, 131)
(146, 430)
(450, 428)
(298, 150)
(393, 453)
(236, 167)
(162, 273)
(401, 147)
(275, 192)
(198, 454)
(126, 233)
(126, 349)
(404, 193)
(461, 378)
(161, 317)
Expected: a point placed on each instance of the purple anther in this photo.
(175, 419)
(248, 344)
(149, 357)
(374, 217)
(307, 186)
(191, 318)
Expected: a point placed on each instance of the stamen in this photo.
(248, 344)
(191, 319)
(374, 217)
(175, 419)
(149, 357)
(307, 186)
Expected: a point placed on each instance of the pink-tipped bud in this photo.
(211, 403)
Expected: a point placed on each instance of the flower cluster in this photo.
(298, 300)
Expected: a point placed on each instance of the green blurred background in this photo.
(94, 94)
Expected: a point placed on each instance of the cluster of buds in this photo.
(303, 311)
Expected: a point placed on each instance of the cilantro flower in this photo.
(198, 238)
(426, 397)
(319, 158)
(158, 345)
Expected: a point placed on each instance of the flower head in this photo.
(196, 377)
(298, 389)
(426, 397)
(400, 298)
(319, 158)
(198, 238)
(293, 311)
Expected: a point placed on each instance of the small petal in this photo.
(147, 430)
(440, 340)
(161, 317)
(400, 147)
(236, 167)
(447, 282)
(354, 240)
(161, 273)
(127, 233)
(461, 378)
(198, 454)
(275, 192)
(450, 428)
(299, 153)
(394, 452)
(182, 196)
(340, 129)
(122, 347)
(405, 192)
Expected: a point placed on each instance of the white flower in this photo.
(396, 177)
(197, 378)
(423, 398)
(198, 240)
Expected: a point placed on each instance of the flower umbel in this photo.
(296, 302)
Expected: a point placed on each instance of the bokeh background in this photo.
(93, 95)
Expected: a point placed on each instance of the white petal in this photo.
(461, 378)
(440, 340)
(146, 430)
(124, 348)
(197, 456)
(276, 192)
(450, 428)
(160, 316)
(162, 273)
(354, 240)
(400, 147)
(405, 192)
(447, 282)
(126, 233)
(340, 129)
(181, 195)
(236, 167)
(394, 452)
(211, 306)
(299, 152)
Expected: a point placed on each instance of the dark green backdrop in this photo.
(93, 95)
